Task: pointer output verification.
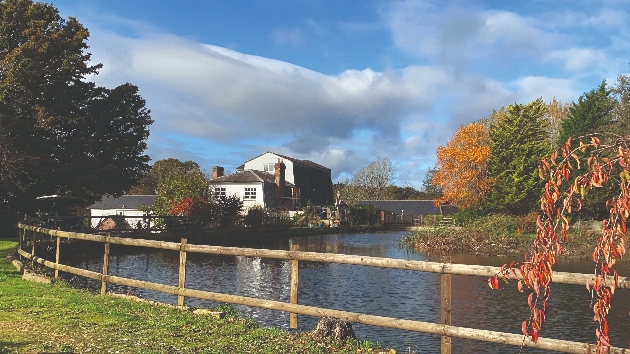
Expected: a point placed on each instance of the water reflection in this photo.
(384, 292)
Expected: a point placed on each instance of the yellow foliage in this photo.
(462, 167)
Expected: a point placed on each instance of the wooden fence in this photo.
(445, 269)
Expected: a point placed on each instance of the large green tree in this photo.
(621, 93)
(185, 185)
(518, 140)
(592, 112)
(79, 139)
(163, 170)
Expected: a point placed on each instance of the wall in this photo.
(238, 189)
(311, 178)
(259, 162)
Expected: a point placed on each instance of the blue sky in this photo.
(344, 82)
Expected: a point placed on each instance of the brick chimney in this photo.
(279, 168)
(217, 171)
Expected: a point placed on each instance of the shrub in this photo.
(467, 216)
(255, 216)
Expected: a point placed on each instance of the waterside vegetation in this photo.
(491, 235)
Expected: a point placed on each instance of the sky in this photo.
(340, 82)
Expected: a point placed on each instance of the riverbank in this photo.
(57, 318)
(460, 239)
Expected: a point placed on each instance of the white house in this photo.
(311, 181)
(125, 205)
(251, 186)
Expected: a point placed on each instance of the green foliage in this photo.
(467, 216)
(594, 112)
(161, 171)
(621, 93)
(230, 205)
(591, 114)
(365, 214)
(428, 186)
(191, 184)
(517, 142)
(78, 139)
(255, 216)
(407, 193)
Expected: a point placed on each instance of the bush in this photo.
(494, 226)
(255, 216)
(365, 214)
(467, 216)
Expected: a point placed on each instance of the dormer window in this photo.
(269, 167)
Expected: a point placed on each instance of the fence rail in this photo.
(443, 329)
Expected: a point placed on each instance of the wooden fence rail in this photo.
(443, 329)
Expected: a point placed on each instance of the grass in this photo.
(56, 318)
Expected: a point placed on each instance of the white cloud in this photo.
(577, 59)
(291, 36)
(217, 94)
(245, 104)
(532, 87)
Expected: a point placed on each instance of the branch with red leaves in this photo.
(563, 194)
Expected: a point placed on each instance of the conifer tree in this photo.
(592, 112)
(518, 140)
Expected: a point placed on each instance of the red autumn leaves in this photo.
(562, 195)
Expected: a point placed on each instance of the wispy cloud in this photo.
(289, 36)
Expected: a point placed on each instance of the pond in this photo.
(385, 292)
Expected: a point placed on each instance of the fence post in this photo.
(105, 265)
(445, 304)
(293, 317)
(182, 271)
(57, 255)
(20, 236)
(33, 250)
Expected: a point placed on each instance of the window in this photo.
(269, 167)
(219, 192)
(250, 193)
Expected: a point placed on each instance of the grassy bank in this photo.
(56, 318)
(497, 235)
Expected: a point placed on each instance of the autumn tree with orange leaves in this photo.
(462, 167)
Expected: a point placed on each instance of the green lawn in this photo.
(56, 318)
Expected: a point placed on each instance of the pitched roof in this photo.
(414, 207)
(294, 160)
(124, 202)
(249, 176)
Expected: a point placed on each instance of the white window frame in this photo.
(269, 167)
(250, 193)
(219, 192)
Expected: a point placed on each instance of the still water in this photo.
(385, 292)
